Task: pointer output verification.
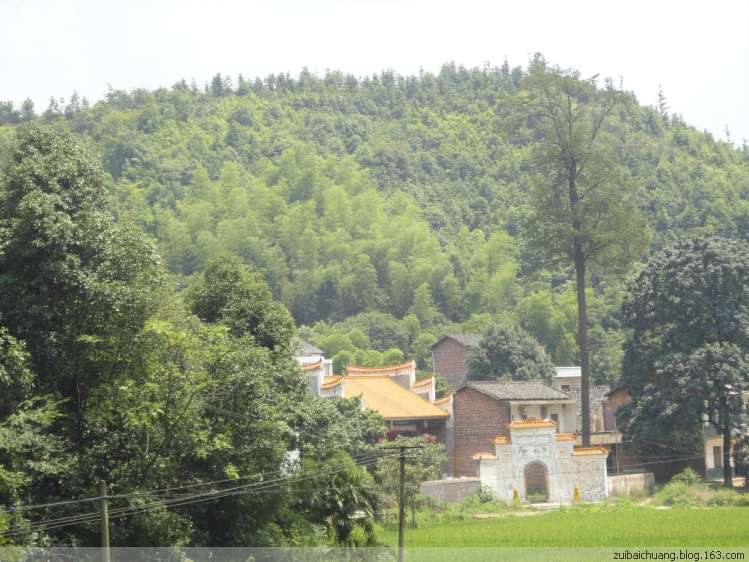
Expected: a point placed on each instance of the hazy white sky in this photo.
(697, 51)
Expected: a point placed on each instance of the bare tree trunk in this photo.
(582, 308)
(582, 339)
(727, 476)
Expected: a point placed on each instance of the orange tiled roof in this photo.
(331, 382)
(311, 366)
(442, 400)
(501, 440)
(531, 422)
(393, 402)
(357, 369)
(424, 382)
(565, 437)
(586, 451)
(481, 456)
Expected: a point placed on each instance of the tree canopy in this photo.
(687, 353)
(583, 204)
(347, 194)
(507, 352)
(105, 373)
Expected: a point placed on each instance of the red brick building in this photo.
(449, 356)
(615, 399)
(484, 409)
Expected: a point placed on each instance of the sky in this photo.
(695, 52)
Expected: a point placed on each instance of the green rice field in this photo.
(633, 527)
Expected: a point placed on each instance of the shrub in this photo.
(624, 502)
(723, 497)
(679, 494)
(486, 494)
(688, 477)
(742, 500)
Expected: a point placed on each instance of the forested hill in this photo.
(390, 205)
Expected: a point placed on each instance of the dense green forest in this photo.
(385, 211)
(159, 249)
(190, 406)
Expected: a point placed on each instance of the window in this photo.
(565, 388)
(555, 418)
(718, 457)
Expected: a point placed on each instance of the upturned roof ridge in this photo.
(587, 451)
(311, 366)
(357, 368)
(332, 384)
(424, 382)
(531, 422)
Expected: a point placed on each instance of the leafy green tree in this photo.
(30, 452)
(420, 350)
(507, 352)
(76, 288)
(384, 331)
(551, 325)
(16, 380)
(687, 353)
(342, 496)
(228, 294)
(31, 455)
(423, 305)
(326, 426)
(583, 206)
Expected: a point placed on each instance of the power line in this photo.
(149, 493)
(190, 498)
(256, 488)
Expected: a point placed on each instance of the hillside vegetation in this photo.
(385, 211)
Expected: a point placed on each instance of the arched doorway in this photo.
(536, 482)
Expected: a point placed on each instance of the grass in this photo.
(586, 526)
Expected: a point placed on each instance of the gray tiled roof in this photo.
(468, 340)
(597, 395)
(518, 390)
(301, 348)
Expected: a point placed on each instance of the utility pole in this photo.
(402, 496)
(402, 506)
(104, 521)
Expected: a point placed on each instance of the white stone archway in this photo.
(535, 463)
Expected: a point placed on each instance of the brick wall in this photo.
(478, 419)
(450, 361)
(617, 399)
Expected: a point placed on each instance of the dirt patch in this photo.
(498, 515)
(527, 513)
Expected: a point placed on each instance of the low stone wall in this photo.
(626, 483)
(451, 490)
(590, 477)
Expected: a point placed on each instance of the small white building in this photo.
(312, 361)
(538, 464)
(568, 378)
